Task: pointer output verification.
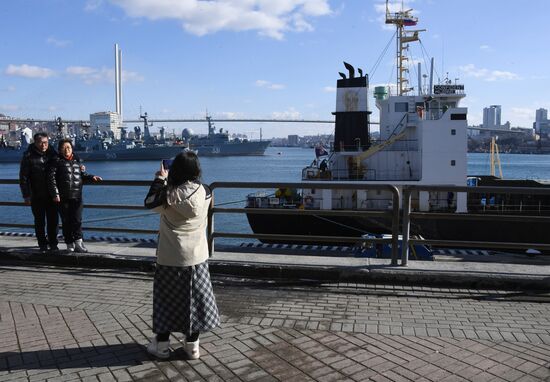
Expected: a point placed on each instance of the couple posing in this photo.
(52, 183)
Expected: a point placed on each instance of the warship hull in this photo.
(155, 153)
(228, 149)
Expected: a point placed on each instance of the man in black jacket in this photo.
(33, 180)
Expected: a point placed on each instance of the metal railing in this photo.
(123, 183)
(392, 214)
(408, 215)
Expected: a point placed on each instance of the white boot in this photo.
(79, 246)
(159, 349)
(192, 349)
(70, 247)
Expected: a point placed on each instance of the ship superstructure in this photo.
(423, 138)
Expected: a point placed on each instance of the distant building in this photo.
(542, 124)
(107, 122)
(293, 140)
(492, 117)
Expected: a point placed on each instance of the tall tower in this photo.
(118, 82)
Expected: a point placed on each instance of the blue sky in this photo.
(259, 58)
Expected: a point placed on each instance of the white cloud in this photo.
(269, 85)
(9, 107)
(92, 5)
(230, 115)
(291, 113)
(329, 89)
(58, 43)
(52, 108)
(29, 71)
(523, 114)
(471, 70)
(92, 76)
(9, 89)
(485, 48)
(268, 17)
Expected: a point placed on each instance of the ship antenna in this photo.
(401, 19)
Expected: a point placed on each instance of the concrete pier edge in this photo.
(369, 273)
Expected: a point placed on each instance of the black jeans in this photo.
(45, 210)
(71, 216)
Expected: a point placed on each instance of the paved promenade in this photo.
(68, 323)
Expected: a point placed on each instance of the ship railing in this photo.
(409, 215)
(369, 174)
(391, 214)
(400, 145)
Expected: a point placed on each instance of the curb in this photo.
(368, 274)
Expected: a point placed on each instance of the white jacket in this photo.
(182, 233)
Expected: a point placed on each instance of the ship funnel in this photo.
(351, 130)
(350, 69)
(342, 75)
(360, 72)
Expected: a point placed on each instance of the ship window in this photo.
(453, 162)
(313, 191)
(453, 132)
(401, 107)
(458, 117)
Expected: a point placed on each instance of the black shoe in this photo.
(54, 249)
(43, 249)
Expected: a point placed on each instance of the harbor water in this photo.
(279, 164)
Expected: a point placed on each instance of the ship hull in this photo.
(458, 229)
(155, 153)
(229, 149)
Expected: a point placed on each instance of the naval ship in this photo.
(102, 147)
(218, 143)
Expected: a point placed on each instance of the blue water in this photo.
(279, 164)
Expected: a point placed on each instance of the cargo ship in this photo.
(422, 142)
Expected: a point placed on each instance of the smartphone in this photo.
(167, 163)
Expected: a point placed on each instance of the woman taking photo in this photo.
(65, 181)
(183, 300)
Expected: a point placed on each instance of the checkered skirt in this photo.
(183, 300)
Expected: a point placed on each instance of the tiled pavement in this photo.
(89, 324)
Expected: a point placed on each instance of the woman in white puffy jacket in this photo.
(183, 300)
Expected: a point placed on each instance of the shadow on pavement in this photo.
(92, 356)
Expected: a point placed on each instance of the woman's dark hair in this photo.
(186, 167)
(62, 142)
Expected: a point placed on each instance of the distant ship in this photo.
(220, 144)
(100, 147)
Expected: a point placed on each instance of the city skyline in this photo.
(258, 59)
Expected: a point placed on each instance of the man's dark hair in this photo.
(40, 134)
